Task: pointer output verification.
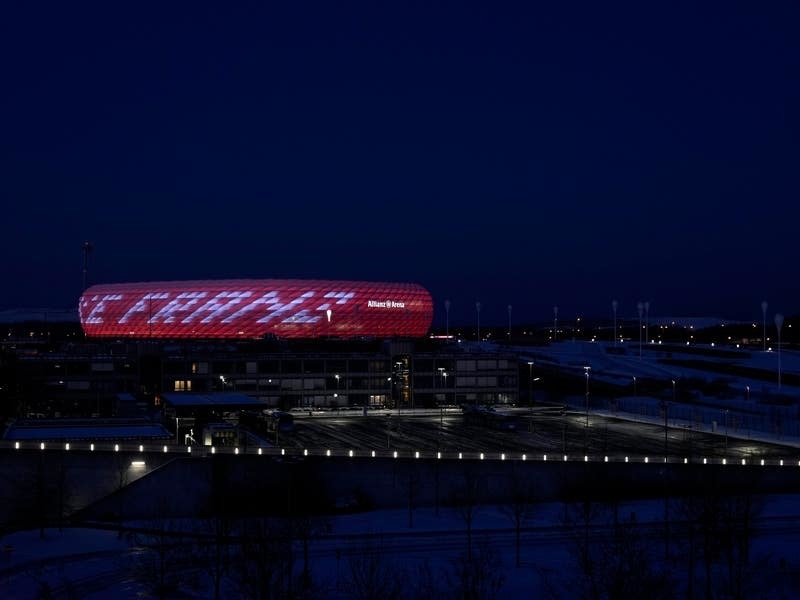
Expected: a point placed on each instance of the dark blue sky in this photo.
(564, 154)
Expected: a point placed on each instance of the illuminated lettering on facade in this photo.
(385, 304)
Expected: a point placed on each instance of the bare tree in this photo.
(466, 500)
(372, 577)
(478, 576)
(519, 506)
(625, 565)
(214, 553)
(262, 557)
(305, 528)
(159, 566)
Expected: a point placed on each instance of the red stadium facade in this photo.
(254, 308)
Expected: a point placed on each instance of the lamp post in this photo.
(726, 432)
(666, 408)
(586, 429)
(778, 325)
(764, 323)
(634, 385)
(555, 323)
(586, 370)
(640, 308)
(534, 380)
(614, 305)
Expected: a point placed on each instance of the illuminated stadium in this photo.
(255, 308)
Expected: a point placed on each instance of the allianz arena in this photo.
(255, 308)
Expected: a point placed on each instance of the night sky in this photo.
(532, 154)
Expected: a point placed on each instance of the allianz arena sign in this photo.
(253, 308)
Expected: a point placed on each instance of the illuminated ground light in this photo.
(235, 450)
(66, 446)
(137, 464)
(327, 452)
(646, 459)
(524, 457)
(565, 458)
(416, 454)
(41, 446)
(781, 462)
(705, 461)
(626, 459)
(350, 453)
(188, 449)
(305, 452)
(724, 461)
(503, 456)
(544, 458)
(685, 461)
(283, 452)
(213, 450)
(481, 452)
(141, 448)
(16, 445)
(744, 462)
(373, 454)
(585, 458)
(762, 462)
(116, 447)
(165, 449)
(605, 459)
(459, 456)
(394, 454)
(259, 452)
(438, 455)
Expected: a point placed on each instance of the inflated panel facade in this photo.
(248, 308)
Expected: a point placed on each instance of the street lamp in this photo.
(586, 370)
(555, 323)
(530, 382)
(614, 305)
(778, 325)
(666, 408)
(634, 385)
(640, 308)
(534, 380)
(726, 431)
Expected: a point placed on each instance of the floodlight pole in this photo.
(778, 325)
(640, 308)
(555, 323)
(614, 305)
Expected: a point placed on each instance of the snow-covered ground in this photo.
(92, 563)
